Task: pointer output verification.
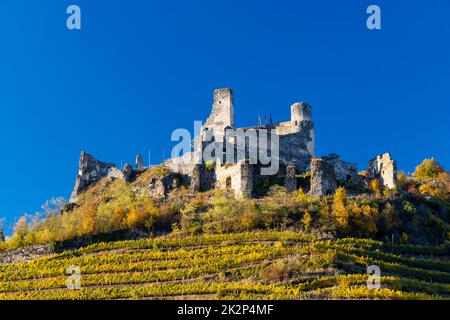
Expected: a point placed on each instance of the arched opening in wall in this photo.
(228, 183)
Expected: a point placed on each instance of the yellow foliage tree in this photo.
(139, 216)
(439, 187)
(339, 210)
(428, 170)
(363, 219)
(375, 187)
(20, 232)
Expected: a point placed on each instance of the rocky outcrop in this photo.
(384, 168)
(128, 173)
(26, 254)
(115, 173)
(162, 186)
(323, 178)
(90, 171)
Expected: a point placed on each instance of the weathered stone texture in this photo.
(128, 173)
(344, 170)
(346, 173)
(222, 114)
(26, 254)
(323, 178)
(290, 181)
(196, 178)
(90, 171)
(160, 187)
(139, 162)
(384, 168)
(115, 173)
(237, 177)
(246, 181)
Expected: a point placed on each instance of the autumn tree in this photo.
(435, 181)
(339, 210)
(375, 187)
(439, 187)
(428, 170)
(20, 232)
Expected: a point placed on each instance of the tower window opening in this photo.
(228, 183)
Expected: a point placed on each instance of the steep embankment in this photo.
(260, 265)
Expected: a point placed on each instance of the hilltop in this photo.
(210, 245)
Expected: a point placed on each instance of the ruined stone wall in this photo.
(344, 170)
(237, 177)
(292, 148)
(246, 180)
(290, 181)
(203, 178)
(384, 168)
(323, 178)
(296, 148)
(115, 173)
(183, 165)
(90, 171)
(346, 173)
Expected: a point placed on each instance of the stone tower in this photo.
(300, 111)
(301, 119)
(139, 162)
(222, 114)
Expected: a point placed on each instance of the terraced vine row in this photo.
(231, 266)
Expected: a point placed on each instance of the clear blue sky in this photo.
(139, 69)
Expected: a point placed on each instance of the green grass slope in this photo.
(252, 265)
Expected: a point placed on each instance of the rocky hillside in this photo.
(157, 202)
(151, 237)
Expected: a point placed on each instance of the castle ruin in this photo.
(295, 147)
(239, 170)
